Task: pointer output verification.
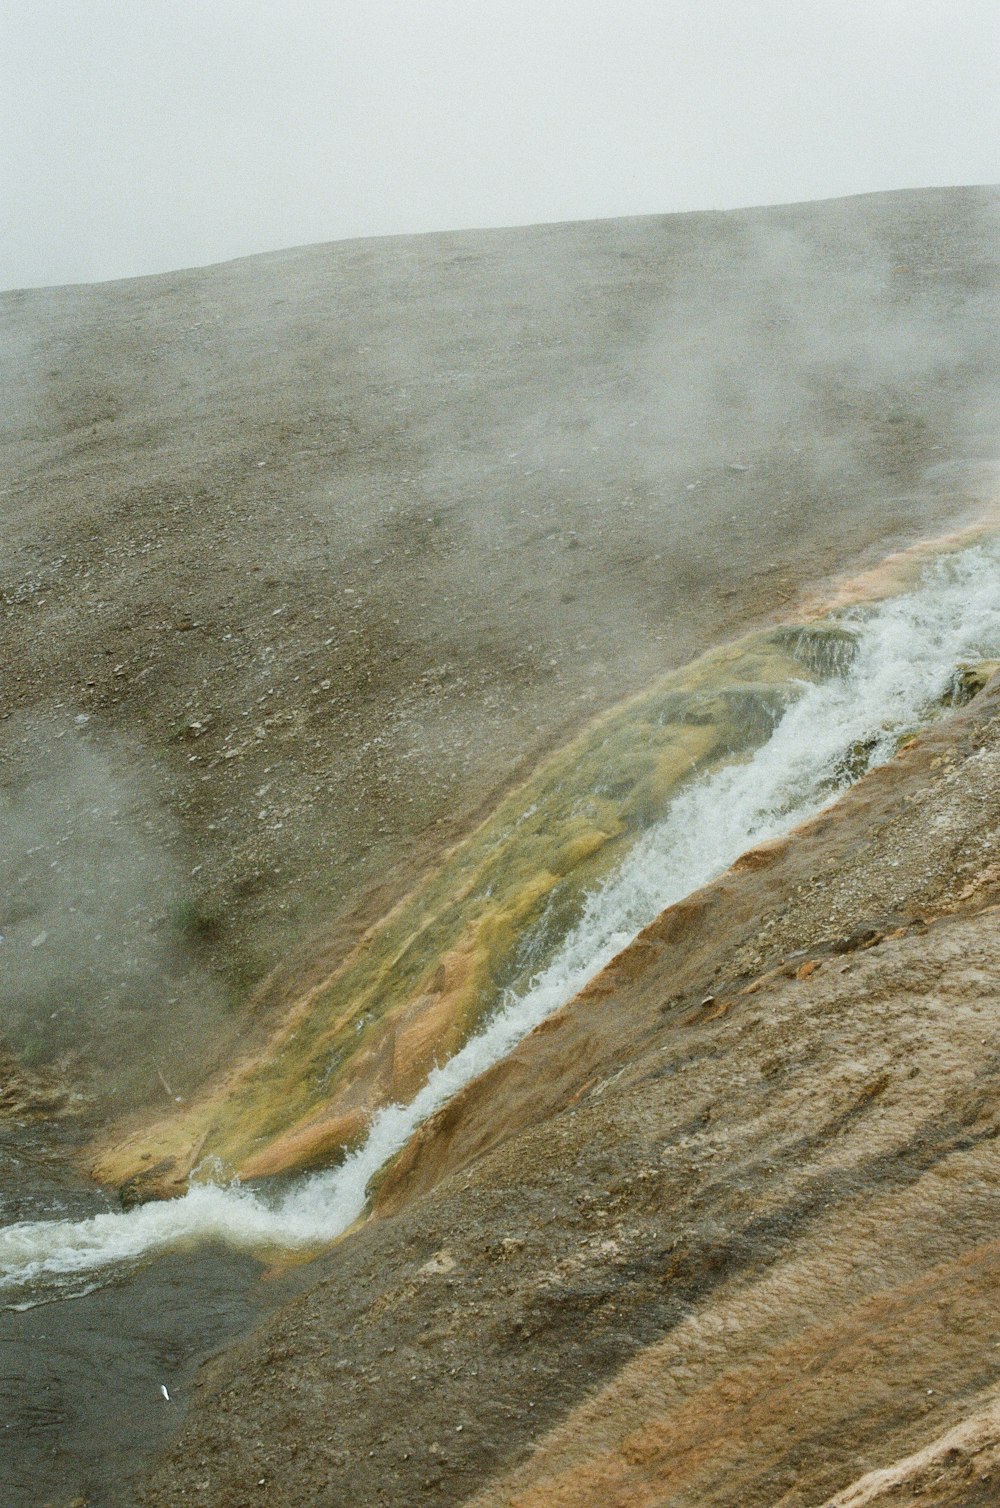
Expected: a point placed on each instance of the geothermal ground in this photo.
(722, 1232)
(308, 557)
(310, 560)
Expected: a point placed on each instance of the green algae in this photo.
(487, 918)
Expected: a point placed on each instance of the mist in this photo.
(144, 138)
(101, 969)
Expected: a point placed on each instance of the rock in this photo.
(969, 680)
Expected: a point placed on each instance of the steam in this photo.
(99, 968)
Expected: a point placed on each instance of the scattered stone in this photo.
(442, 1261)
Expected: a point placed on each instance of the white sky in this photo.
(142, 135)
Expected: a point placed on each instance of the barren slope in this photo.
(306, 556)
(306, 560)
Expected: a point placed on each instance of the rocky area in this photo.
(308, 557)
(720, 1232)
(27, 1096)
(309, 561)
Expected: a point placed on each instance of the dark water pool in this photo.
(82, 1410)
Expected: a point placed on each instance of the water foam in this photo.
(907, 651)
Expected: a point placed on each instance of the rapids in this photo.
(907, 650)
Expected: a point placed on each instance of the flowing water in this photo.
(905, 655)
(81, 1400)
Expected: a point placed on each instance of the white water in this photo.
(907, 651)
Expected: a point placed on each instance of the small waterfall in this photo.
(906, 653)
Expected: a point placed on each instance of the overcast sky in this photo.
(142, 135)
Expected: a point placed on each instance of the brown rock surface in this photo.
(717, 1234)
(961, 1469)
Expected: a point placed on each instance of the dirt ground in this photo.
(307, 556)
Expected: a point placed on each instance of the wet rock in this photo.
(156, 1181)
(969, 680)
(854, 761)
(824, 648)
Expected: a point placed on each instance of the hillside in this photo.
(308, 556)
(721, 1232)
(362, 604)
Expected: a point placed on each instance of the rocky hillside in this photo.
(722, 1232)
(311, 563)
(308, 557)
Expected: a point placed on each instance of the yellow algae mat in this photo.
(427, 974)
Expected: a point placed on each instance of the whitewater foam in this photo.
(907, 652)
